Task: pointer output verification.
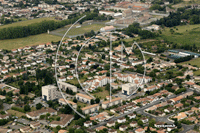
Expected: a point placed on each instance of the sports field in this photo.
(28, 41)
(81, 30)
(186, 34)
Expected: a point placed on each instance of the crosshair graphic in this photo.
(110, 54)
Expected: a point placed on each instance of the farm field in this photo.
(186, 34)
(26, 22)
(28, 41)
(193, 62)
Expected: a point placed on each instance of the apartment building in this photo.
(49, 92)
(115, 101)
(90, 109)
(64, 121)
(63, 102)
(128, 89)
(83, 98)
(64, 86)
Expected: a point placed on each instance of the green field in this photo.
(15, 113)
(28, 41)
(82, 29)
(193, 62)
(186, 34)
(26, 22)
(101, 95)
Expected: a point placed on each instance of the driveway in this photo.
(6, 106)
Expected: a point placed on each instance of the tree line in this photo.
(136, 29)
(174, 19)
(42, 27)
(183, 59)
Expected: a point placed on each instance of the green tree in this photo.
(103, 56)
(152, 122)
(188, 77)
(97, 100)
(75, 100)
(38, 106)
(140, 123)
(92, 101)
(58, 127)
(27, 108)
(58, 118)
(79, 131)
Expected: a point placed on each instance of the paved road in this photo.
(6, 106)
(187, 128)
(141, 111)
(160, 14)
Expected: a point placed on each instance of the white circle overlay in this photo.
(76, 64)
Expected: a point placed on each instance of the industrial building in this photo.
(175, 54)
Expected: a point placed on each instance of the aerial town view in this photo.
(99, 66)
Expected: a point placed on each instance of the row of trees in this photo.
(42, 27)
(174, 19)
(183, 59)
(136, 29)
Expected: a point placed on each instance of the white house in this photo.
(121, 120)
(87, 123)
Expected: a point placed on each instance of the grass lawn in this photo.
(28, 41)
(192, 62)
(75, 81)
(186, 34)
(33, 109)
(82, 29)
(16, 113)
(26, 22)
(14, 84)
(81, 104)
(197, 73)
(31, 95)
(129, 40)
(101, 95)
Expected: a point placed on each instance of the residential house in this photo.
(112, 102)
(83, 98)
(110, 123)
(36, 114)
(121, 120)
(181, 116)
(64, 121)
(123, 128)
(87, 123)
(140, 130)
(90, 109)
(63, 102)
